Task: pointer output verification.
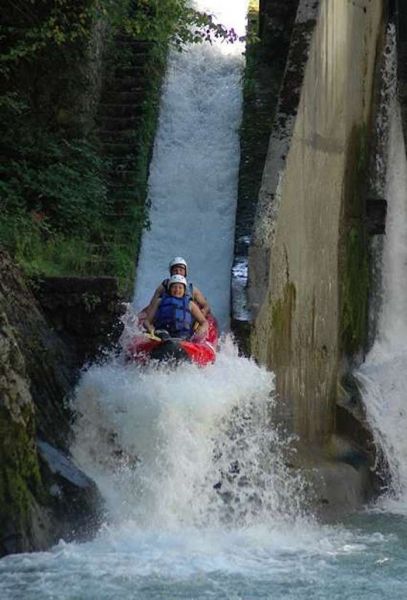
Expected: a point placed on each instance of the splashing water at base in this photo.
(383, 375)
(200, 502)
(196, 446)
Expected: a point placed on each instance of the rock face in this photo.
(40, 501)
(49, 363)
(20, 480)
(84, 311)
(307, 269)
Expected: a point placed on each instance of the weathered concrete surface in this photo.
(399, 14)
(264, 70)
(295, 259)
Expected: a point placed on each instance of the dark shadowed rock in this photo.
(49, 363)
(42, 496)
(85, 311)
(73, 496)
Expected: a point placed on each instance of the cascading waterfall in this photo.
(384, 374)
(194, 169)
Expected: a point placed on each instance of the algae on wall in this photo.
(309, 224)
(353, 247)
(269, 27)
(37, 373)
(20, 480)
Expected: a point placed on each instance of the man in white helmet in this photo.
(178, 266)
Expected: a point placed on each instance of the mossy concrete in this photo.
(309, 232)
(272, 22)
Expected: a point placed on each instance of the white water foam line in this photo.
(384, 374)
(189, 447)
(194, 170)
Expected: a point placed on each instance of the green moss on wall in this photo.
(281, 321)
(353, 255)
(261, 82)
(20, 479)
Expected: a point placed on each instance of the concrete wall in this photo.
(295, 266)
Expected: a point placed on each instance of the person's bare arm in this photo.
(199, 317)
(201, 301)
(157, 294)
(151, 312)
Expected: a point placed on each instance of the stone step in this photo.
(125, 203)
(120, 110)
(131, 197)
(123, 162)
(123, 178)
(119, 215)
(122, 39)
(127, 208)
(122, 172)
(121, 136)
(116, 184)
(133, 65)
(136, 80)
(118, 149)
(110, 123)
(133, 96)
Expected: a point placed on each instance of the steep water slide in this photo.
(194, 169)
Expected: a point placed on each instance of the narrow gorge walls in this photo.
(308, 223)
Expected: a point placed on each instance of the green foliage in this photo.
(56, 214)
(59, 182)
(355, 292)
(31, 27)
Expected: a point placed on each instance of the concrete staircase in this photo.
(120, 126)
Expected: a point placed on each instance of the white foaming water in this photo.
(188, 447)
(384, 374)
(194, 169)
(199, 499)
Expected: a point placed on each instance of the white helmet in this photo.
(178, 260)
(177, 279)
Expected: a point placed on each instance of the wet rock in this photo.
(74, 497)
(42, 497)
(49, 363)
(20, 482)
(85, 311)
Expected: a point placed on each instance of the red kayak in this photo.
(145, 347)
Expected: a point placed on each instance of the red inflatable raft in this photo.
(145, 347)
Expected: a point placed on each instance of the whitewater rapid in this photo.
(194, 169)
(197, 447)
(384, 374)
(200, 500)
